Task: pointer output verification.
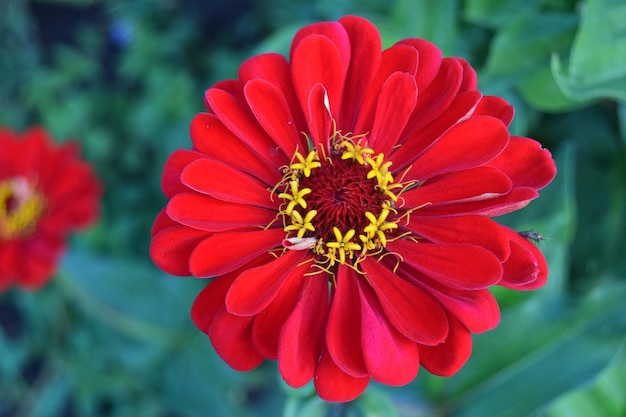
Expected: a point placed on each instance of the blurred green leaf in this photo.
(132, 297)
(602, 398)
(527, 43)
(535, 354)
(596, 64)
(494, 13)
(542, 92)
(376, 403)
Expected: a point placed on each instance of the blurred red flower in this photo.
(342, 199)
(46, 192)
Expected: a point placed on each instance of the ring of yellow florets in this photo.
(347, 240)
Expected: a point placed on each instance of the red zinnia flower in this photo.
(46, 191)
(342, 201)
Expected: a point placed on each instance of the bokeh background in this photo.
(111, 334)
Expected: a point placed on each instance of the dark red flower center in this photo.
(342, 194)
(338, 205)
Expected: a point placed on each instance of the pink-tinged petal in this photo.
(275, 68)
(470, 80)
(398, 58)
(448, 357)
(231, 337)
(526, 163)
(433, 101)
(457, 265)
(476, 230)
(211, 215)
(364, 62)
(430, 60)
(413, 312)
(225, 252)
(389, 356)
(526, 269)
(307, 73)
(496, 107)
(171, 248)
(255, 288)
(396, 102)
(468, 144)
(225, 183)
(177, 161)
(320, 119)
(414, 144)
(269, 322)
(211, 137)
(343, 333)
(210, 301)
(238, 118)
(333, 384)
(271, 109)
(470, 185)
(302, 336)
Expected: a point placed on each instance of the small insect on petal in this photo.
(532, 235)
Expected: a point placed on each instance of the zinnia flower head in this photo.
(342, 201)
(46, 192)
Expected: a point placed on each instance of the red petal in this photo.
(517, 199)
(496, 107)
(320, 120)
(437, 97)
(269, 322)
(429, 61)
(416, 141)
(334, 32)
(209, 214)
(271, 109)
(390, 357)
(526, 268)
(466, 145)
(308, 73)
(398, 58)
(171, 248)
(225, 183)
(301, 337)
(225, 252)
(396, 102)
(231, 337)
(460, 266)
(476, 230)
(343, 334)
(275, 68)
(366, 50)
(411, 310)
(239, 119)
(448, 357)
(211, 137)
(255, 288)
(469, 185)
(470, 81)
(526, 163)
(174, 165)
(477, 309)
(210, 301)
(333, 384)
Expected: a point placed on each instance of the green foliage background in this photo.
(111, 335)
